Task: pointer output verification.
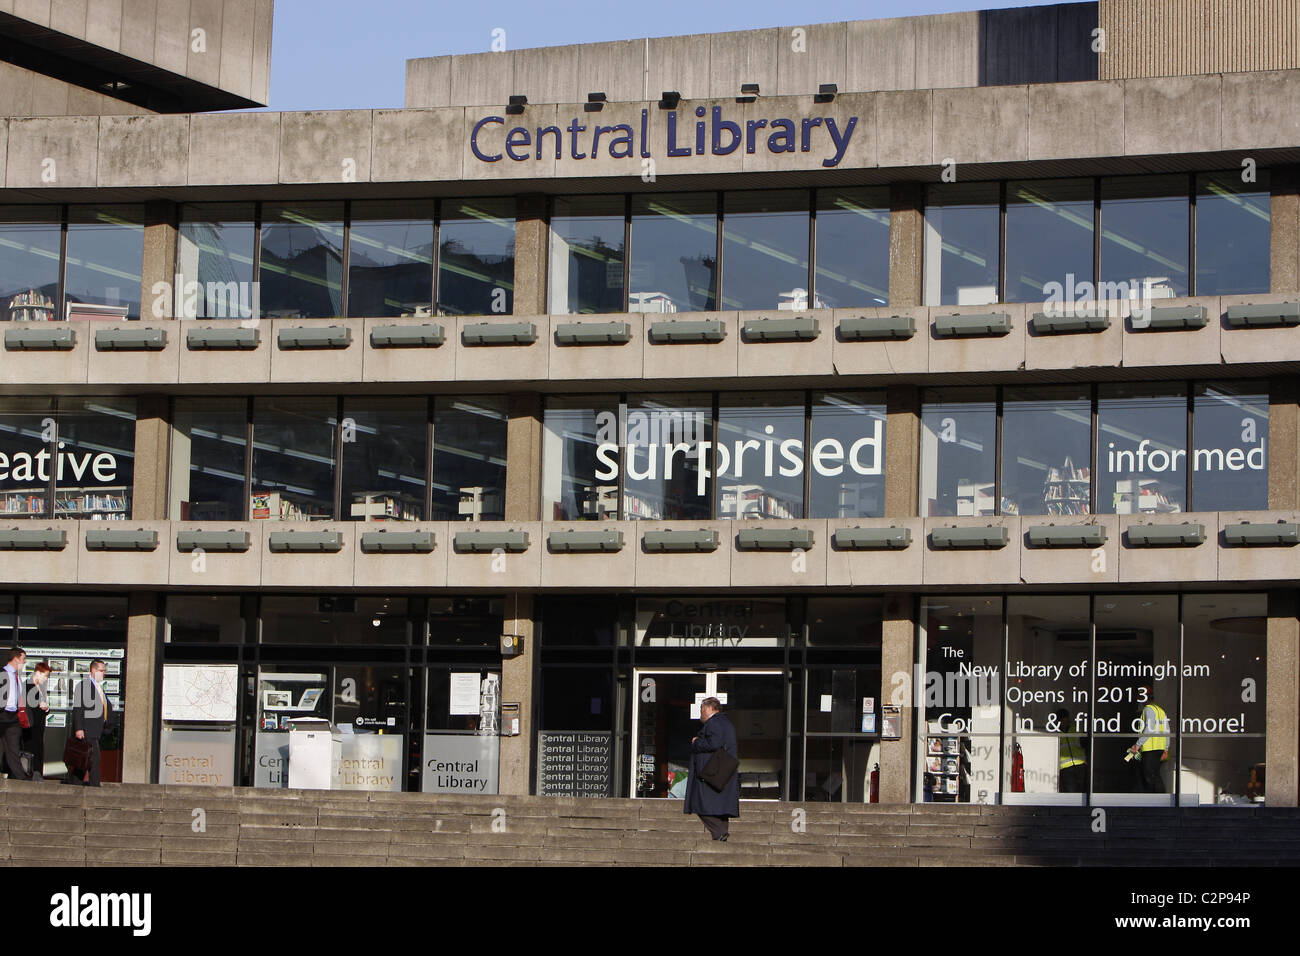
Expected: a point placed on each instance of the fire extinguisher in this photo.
(875, 784)
(1017, 771)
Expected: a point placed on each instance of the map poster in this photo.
(200, 693)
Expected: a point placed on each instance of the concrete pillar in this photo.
(530, 255)
(161, 222)
(906, 243)
(897, 656)
(902, 447)
(1282, 701)
(524, 457)
(142, 687)
(152, 434)
(1285, 240)
(1283, 443)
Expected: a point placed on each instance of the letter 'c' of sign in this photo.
(473, 139)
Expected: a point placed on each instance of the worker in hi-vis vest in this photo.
(1073, 777)
(1153, 746)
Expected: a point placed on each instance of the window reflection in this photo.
(852, 248)
(1230, 465)
(580, 461)
(104, 262)
(1232, 234)
(587, 240)
(385, 453)
(1047, 450)
(476, 257)
(765, 250)
(390, 259)
(759, 458)
(662, 456)
(958, 433)
(847, 457)
(215, 251)
(1142, 449)
(1049, 237)
(469, 458)
(302, 260)
(673, 254)
(29, 263)
(293, 459)
(209, 453)
(961, 244)
(1144, 235)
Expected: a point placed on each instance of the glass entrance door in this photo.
(667, 716)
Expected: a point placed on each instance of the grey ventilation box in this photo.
(1171, 317)
(864, 329)
(584, 542)
(316, 542)
(228, 542)
(1165, 535)
(33, 539)
(686, 331)
(774, 539)
(57, 338)
(406, 336)
(679, 541)
(1262, 316)
(1067, 536)
(871, 539)
(499, 333)
(1078, 320)
(944, 539)
(397, 542)
(314, 337)
(593, 333)
(1249, 534)
(130, 338)
(976, 323)
(235, 338)
(802, 328)
(125, 539)
(485, 542)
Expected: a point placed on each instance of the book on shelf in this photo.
(1067, 490)
(283, 506)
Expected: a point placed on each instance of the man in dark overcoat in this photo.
(714, 807)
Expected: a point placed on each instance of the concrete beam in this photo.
(902, 444)
(1283, 442)
(1284, 228)
(1283, 700)
(531, 242)
(152, 442)
(524, 457)
(142, 685)
(906, 243)
(897, 657)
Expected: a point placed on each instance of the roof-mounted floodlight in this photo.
(669, 100)
(595, 102)
(517, 103)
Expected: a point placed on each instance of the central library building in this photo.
(924, 389)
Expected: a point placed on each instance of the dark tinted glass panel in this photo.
(105, 258)
(852, 248)
(96, 465)
(577, 698)
(204, 619)
(1142, 447)
(385, 452)
(1232, 234)
(71, 617)
(330, 619)
(662, 455)
(24, 456)
(587, 254)
(466, 622)
(958, 431)
(590, 622)
(1049, 237)
(1230, 427)
(765, 250)
(580, 459)
(845, 622)
(209, 455)
(293, 458)
(847, 457)
(302, 260)
(476, 264)
(758, 460)
(29, 263)
(469, 458)
(961, 244)
(216, 253)
(673, 258)
(1144, 236)
(390, 258)
(1046, 450)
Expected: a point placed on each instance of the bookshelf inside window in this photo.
(1066, 490)
(96, 504)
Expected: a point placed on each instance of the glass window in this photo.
(73, 618)
(848, 455)
(580, 460)
(301, 271)
(662, 454)
(759, 455)
(852, 248)
(673, 255)
(469, 459)
(30, 237)
(440, 715)
(1144, 236)
(96, 458)
(466, 622)
(1142, 447)
(209, 456)
(105, 260)
(577, 698)
(587, 240)
(293, 458)
(385, 445)
(204, 619)
(333, 619)
(390, 258)
(1047, 689)
(1223, 722)
(701, 622)
(958, 433)
(476, 259)
(591, 622)
(1047, 450)
(1230, 427)
(845, 622)
(961, 244)
(216, 252)
(1232, 234)
(1049, 237)
(24, 456)
(765, 250)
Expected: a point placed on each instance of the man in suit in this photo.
(11, 698)
(714, 807)
(92, 715)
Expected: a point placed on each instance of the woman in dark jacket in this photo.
(37, 708)
(714, 807)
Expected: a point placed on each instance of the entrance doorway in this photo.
(667, 716)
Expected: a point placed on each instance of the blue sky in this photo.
(341, 54)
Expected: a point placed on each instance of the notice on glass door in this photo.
(464, 694)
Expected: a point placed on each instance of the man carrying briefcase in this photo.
(713, 787)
